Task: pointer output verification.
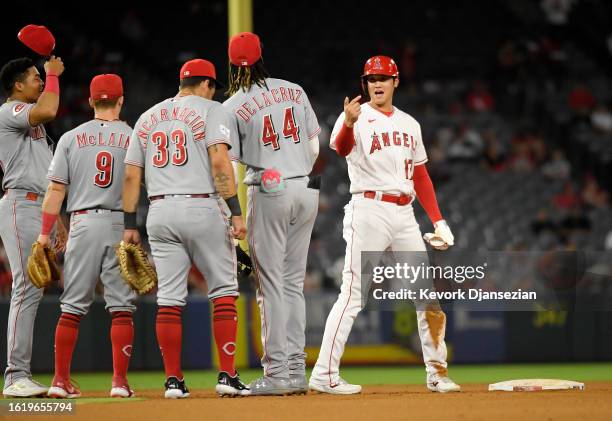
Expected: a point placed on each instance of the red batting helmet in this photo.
(380, 65)
(37, 38)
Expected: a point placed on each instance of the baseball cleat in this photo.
(121, 389)
(342, 387)
(25, 388)
(175, 388)
(63, 389)
(231, 386)
(298, 384)
(437, 383)
(265, 386)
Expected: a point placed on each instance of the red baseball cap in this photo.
(106, 86)
(244, 49)
(199, 67)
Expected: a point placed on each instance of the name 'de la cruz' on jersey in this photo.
(273, 125)
(387, 148)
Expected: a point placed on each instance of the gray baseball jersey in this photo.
(24, 157)
(90, 159)
(273, 126)
(170, 142)
(24, 153)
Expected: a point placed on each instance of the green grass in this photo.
(369, 375)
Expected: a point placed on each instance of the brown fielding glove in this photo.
(135, 267)
(42, 266)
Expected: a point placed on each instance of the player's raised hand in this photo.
(131, 236)
(352, 109)
(54, 66)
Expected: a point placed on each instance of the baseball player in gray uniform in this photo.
(89, 159)
(181, 145)
(24, 157)
(278, 142)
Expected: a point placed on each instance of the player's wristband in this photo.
(234, 205)
(129, 220)
(52, 83)
(48, 220)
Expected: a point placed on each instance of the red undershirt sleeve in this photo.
(345, 140)
(424, 190)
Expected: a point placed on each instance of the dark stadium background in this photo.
(515, 106)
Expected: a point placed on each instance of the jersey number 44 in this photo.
(290, 129)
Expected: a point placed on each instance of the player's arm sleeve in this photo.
(218, 130)
(19, 117)
(420, 156)
(135, 154)
(424, 189)
(312, 124)
(59, 170)
(343, 138)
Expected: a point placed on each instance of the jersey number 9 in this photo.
(104, 165)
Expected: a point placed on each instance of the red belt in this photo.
(166, 196)
(29, 195)
(401, 200)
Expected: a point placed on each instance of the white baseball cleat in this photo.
(24, 388)
(339, 388)
(437, 383)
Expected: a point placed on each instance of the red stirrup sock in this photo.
(225, 325)
(169, 336)
(65, 338)
(122, 336)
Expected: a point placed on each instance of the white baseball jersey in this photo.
(386, 150)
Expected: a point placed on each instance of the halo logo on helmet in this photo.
(380, 65)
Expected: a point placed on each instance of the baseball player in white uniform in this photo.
(385, 154)
(24, 156)
(181, 145)
(89, 159)
(278, 142)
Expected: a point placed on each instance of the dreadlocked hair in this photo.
(243, 77)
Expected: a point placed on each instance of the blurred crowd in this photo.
(519, 89)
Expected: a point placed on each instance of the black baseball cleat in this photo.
(175, 388)
(231, 386)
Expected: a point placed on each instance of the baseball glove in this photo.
(245, 266)
(442, 238)
(42, 266)
(135, 267)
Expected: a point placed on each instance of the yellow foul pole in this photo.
(240, 19)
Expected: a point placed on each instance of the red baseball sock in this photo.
(65, 338)
(225, 324)
(122, 336)
(169, 336)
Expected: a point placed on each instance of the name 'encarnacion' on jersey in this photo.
(184, 114)
(120, 140)
(398, 139)
(265, 99)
